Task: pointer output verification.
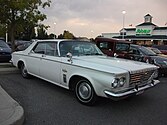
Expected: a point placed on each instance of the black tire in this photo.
(24, 72)
(85, 93)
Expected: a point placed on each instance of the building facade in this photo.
(146, 33)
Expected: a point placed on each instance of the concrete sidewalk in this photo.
(11, 113)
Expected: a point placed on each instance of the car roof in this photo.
(112, 40)
(60, 40)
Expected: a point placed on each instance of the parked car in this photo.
(157, 51)
(143, 54)
(18, 44)
(5, 52)
(162, 48)
(113, 47)
(23, 46)
(81, 66)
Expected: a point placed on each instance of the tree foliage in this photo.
(41, 32)
(18, 14)
(2, 30)
(68, 35)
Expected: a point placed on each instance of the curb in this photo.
(9, 71)
(8, 68)
(15, 112)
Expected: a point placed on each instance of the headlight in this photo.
(118, 82)
(115, 82)
(122, 81)
(155, 76)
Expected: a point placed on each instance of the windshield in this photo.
(3, 44)
(147, 51)
(79, 48)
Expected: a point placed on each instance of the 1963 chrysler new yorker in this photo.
(80, 66)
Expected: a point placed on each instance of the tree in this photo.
(52, 36)
(68, 35)
(17, 14)
(2, 30)
(41, 32)
(60, 36)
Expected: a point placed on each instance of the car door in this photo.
(33, 60)
(50, 64)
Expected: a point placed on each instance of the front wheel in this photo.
(85, 92)
(24, 72)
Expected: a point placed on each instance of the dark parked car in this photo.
(162, 48)
(5, 52)
(23, 46)
(17, 43)
(143, 54)
(157, 51)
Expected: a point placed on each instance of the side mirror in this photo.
(69, 55)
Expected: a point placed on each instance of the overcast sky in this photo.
(90, 18)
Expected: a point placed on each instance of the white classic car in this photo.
(80, 66)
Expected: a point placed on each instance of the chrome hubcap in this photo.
(84, 90)
(24, 71)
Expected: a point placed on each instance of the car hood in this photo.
(160, 58)
(162, 55)
(111, 64)
(5, 50)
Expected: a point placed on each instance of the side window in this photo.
(51, 49)
(47, 48)
(135, 51)
(65, 47)
(122, 47)
(104, 45)
(40, 48)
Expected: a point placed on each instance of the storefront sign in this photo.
(143, 32)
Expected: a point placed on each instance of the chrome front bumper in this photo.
(134, 91)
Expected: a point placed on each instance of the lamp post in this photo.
(54, 29)
(123, 12)
(6, 35)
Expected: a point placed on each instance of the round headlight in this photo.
(155, 74)
(115, 82)
(122, 81)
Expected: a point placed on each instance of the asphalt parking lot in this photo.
(48, 104)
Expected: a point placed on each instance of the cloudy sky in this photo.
(90, 18)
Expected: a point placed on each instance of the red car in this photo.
(113, 47)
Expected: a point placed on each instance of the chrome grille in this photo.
(141, 77)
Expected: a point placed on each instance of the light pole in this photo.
(6, 33)
(54, 29)
(123, 12)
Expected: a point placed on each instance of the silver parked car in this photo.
(80, 66)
